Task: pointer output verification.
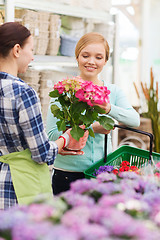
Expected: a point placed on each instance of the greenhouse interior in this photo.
(80, 120)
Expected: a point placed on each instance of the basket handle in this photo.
(150, 135)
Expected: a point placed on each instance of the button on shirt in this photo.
(21, 127)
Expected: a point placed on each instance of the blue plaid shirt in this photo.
(21, 127)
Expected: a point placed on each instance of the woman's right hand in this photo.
(70, 152)
(70, 145)
(97, 128)
(77, 145)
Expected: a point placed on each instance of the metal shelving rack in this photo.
(61, 63)
(57, 8)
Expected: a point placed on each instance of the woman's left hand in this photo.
(97, 128)
(105, 106)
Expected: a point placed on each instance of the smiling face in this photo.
(91, 61)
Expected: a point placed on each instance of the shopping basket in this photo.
(135, 156)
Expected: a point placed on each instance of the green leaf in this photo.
(86, 119)
(77, 132)
(91, 133)
(54, 107)
(63, 100)
(99, 110)
(54, 93)
(106, 122)
(61, 125)
(94, 115)
(55, 110)
(78, 107)
(77, 119)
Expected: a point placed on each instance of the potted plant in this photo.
(74, 105)
(151, 97)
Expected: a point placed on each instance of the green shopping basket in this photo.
(135, 156)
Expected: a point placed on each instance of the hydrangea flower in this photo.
(76, 105)
(92, 93)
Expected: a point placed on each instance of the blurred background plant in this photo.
(152, 101)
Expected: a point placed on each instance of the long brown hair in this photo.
(88, 38)
(12, 33)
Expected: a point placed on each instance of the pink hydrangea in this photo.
(76, 100)
(60, 87)
(91, 93)
(69, 84)
(85, 91)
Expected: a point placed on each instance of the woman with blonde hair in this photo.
(92, 54)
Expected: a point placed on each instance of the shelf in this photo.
(46, 61)
(1, 2)
(62, 9)
(60, 63)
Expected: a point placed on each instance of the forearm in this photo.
(97, 128)
(60, 144)
(127, 116)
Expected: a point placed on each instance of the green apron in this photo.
(29, 178)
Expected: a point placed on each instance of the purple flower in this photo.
(7, 222)
(40, 212)
(144, 186)
(97, 209)
(118, 223)
(76, 216)
(30, 231)
(91, 231)
(106, 177)
(84, 185)
(112, 200)
(103, 169)
(152, 197)
(129, 175)
(108, 188)
(60, 232)
(74, 199)
(155, 213)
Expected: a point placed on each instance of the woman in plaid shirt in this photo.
(21, 125)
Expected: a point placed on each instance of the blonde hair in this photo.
(89, 38)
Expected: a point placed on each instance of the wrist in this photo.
(109, 108)
(65, 137)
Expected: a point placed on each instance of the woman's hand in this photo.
(70, 152)
(97, 128)
(105, 106)
(67, 145)
(77, 145)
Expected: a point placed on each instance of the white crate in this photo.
(73, 32)
(53, 46)
(41, 46)
(72, 22)
(43, 16)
